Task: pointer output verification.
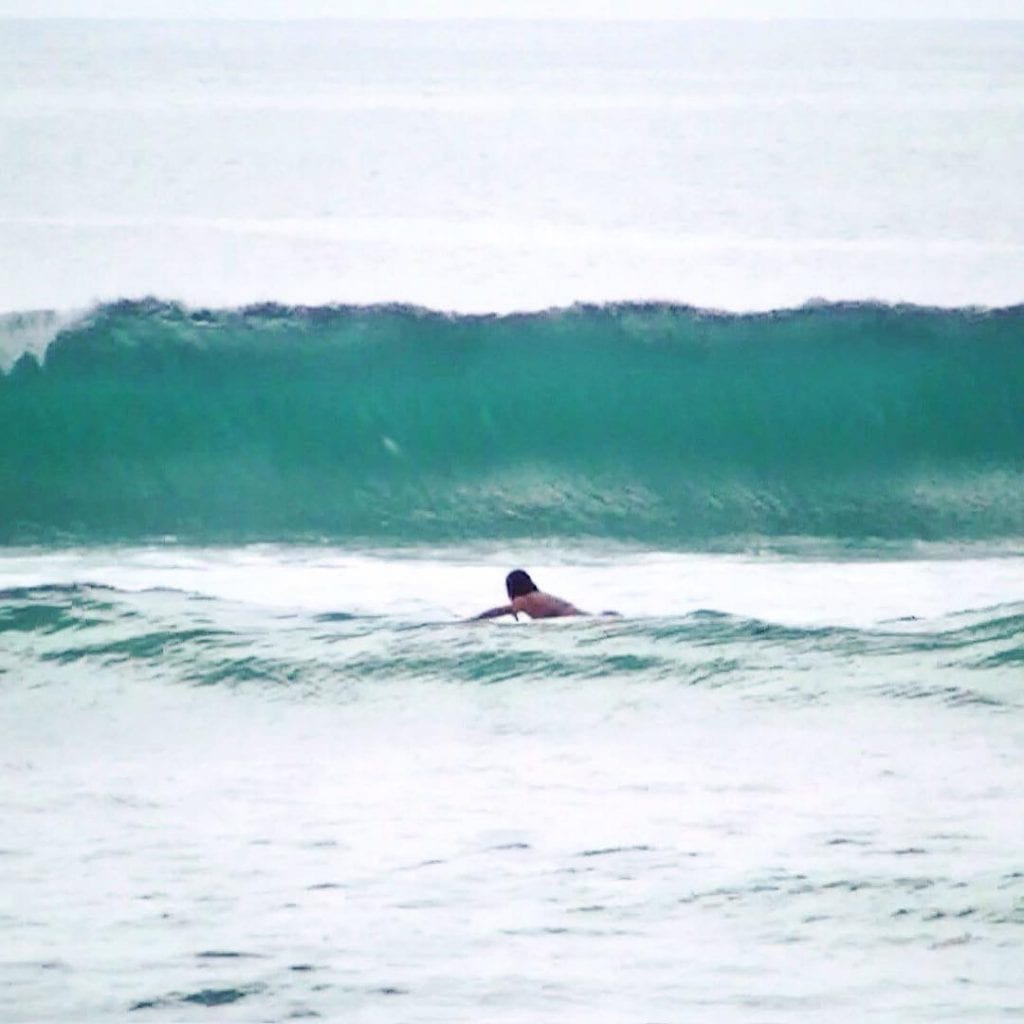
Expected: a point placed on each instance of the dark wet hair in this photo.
(518, 583)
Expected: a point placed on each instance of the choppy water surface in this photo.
(376, 812)
(281, 781)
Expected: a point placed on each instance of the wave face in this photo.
(647, 423)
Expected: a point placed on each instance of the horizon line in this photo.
(526, 18)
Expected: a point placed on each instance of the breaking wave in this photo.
(647, 423)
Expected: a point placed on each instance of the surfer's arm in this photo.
(495, 613)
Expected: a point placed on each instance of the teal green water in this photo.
(969, 659)
(654, 424)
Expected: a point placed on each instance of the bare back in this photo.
(539, 605)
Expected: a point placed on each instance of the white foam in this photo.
(430, 585)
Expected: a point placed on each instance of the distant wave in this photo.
(653, 423)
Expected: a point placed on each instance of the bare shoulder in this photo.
(539, 605)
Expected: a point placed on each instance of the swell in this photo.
(61, 635)
(647, 423)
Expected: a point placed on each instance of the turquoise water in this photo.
(656, 424)
(715, 325)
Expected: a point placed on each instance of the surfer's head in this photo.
(518, 583)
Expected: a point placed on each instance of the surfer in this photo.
(524, 596)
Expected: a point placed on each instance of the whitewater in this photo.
(311, 331)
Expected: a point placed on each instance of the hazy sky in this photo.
(516, 8)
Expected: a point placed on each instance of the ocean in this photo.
(311, 331)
